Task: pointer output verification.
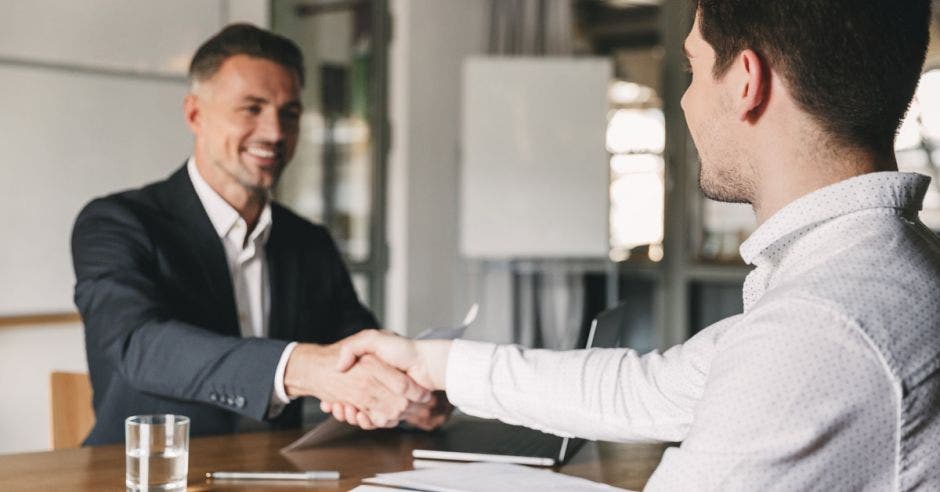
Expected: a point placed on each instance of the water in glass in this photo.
(165, 470)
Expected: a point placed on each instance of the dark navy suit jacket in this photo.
(161, 330)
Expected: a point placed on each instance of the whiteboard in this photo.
(534, 174)
(69, 137)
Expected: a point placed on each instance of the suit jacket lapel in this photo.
(281, 275)
(184, 204)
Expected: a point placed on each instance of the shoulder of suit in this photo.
(149, 200)
(141, 200)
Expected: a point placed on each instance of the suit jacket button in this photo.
(230, 401)
(213, 396)
(240, 401)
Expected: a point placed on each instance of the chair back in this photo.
(72, 413)
(608, 328)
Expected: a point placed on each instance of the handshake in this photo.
(374, 379)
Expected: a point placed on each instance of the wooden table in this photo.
(361, 456)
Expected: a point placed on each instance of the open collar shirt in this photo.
(244, 253)
(829, 379)
(248, 268)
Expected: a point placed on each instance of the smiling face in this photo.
(710, 115)
(246, 121)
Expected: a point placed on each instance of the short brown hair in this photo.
(245, 39)
(852, 65)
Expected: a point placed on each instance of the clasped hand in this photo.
(373, 379)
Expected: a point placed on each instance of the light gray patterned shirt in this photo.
(829, 380)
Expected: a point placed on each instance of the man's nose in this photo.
(270, 127)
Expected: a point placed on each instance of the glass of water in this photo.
(156, 452)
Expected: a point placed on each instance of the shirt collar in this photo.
(874, 190)
(222, 215)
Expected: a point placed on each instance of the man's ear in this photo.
(754, 84)
(191, 112)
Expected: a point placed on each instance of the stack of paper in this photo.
(482, 477)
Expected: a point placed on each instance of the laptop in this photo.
(466, 438)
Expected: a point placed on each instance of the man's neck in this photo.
(786, 177)
(248, 203)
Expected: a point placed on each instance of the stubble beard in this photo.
(724, 174)
(724, 184)
(241, 175)
(257, 186)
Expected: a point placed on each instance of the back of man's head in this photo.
(852, 65)
(245, 39)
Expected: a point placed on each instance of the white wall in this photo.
(27, 356)
(93, 94)
(427, 284)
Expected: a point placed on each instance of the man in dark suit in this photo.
(195, 291)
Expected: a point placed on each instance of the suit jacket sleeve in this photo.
(127, 318)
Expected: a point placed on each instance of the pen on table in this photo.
(300, 475)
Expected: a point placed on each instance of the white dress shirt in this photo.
(248, 267)
(829, 380)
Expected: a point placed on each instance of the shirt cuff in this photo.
(467, 378)
(279, 398)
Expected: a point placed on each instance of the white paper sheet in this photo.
(451, 333)
(487, 477)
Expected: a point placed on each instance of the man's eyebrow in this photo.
(295, 103)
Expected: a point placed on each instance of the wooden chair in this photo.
(72, 413)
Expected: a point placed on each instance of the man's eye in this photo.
(252, 109)
(292, 115)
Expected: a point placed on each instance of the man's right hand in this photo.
(372, 386)
(425, 361)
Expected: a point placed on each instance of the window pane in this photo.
(636, 203)
(636, 138)
(330, 179)
(918, 143)
(361, 284)
(724, 227)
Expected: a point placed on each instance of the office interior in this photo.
(402, 116)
